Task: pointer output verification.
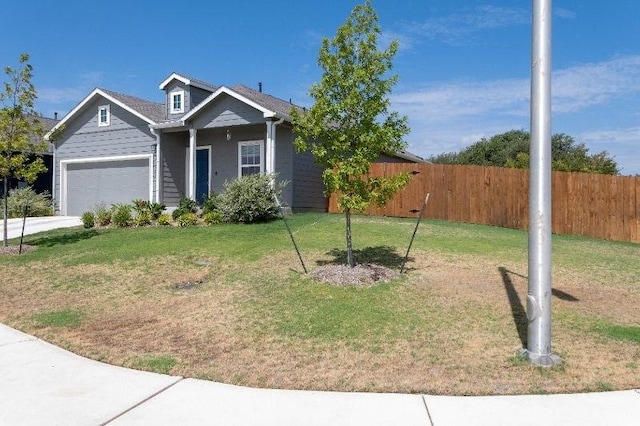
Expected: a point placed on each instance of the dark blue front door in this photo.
(202, 174)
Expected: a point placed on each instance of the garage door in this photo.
(108, 182)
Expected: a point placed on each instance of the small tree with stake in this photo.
(349, 125)
(21, 134)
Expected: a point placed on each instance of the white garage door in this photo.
(108, 182)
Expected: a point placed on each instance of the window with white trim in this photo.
(250, 158)
(176, 100)
(104, 115)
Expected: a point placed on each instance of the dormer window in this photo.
(176, 100)
(104, 115)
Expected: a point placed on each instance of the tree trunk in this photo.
(350, 260)
(5, 206)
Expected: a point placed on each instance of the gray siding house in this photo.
(115, 148)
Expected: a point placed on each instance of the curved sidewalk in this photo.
(41, 384)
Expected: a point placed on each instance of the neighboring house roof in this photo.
(189, 81)
(406, 155)
(151, 112)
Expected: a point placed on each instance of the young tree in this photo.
(349, 125)
(21, 134)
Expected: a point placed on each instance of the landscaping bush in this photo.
(164, 219)
(88, 220)
(186, 205)
(187, 219)
(153, 209)
(38, 204)
(143, 218)
(121, 215)
(211, 218)
(210, 204)
(102, 214)
(250, 199)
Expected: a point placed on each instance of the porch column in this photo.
(269, 165)
(270, 155)
(191, 188)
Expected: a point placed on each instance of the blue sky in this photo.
(464, 65)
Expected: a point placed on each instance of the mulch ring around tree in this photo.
(14, 250)
(362, 275)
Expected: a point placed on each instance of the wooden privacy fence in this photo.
(600, 206)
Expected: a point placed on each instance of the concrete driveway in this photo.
(38, 224)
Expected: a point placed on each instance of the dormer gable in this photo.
(183, 93)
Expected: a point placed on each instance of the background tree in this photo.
(349, 125)
(511, 149)
(21, 134)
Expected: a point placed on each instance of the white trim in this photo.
(106, 108)
(173, 93)
(252, 142)
(187, 81)
(89, 98)
(191, 165)
(65, 163)
(265, 112)
(199, 148)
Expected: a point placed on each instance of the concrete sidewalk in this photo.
(43, 384)
(38, 224)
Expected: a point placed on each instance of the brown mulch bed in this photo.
(361, 275)
(14, 250)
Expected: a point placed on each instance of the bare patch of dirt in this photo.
(359, 275)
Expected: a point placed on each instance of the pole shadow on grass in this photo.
(517, 308)
(386, 256)
(69, 237)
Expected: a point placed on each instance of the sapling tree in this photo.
(349, 125)
(21, 134)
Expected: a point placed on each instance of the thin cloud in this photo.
(586, 85)
(456, 28)
(449, 115)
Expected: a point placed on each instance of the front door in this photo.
(202, 173)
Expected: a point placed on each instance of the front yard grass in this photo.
(230, 303)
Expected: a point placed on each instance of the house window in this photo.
(104, 115)
(250, 158)
(177, 102)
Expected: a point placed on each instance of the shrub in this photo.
(143, 218)
(187, 219)
(210, 204)
(102, 214)
(211, 218)
(37, 204)
(250, 199)
(186, 205)
(164, 219)
(121, 215)
(155, 209)
(88, 219)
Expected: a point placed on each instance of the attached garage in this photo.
(87, 182)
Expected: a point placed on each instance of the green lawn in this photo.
(230, 303)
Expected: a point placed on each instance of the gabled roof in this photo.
(260, 106)
(150, 112)
(189, 81)
(281, 107)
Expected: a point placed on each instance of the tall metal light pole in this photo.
(538, 349)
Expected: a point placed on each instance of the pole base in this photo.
(542, 360)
